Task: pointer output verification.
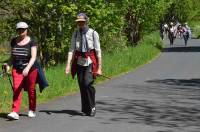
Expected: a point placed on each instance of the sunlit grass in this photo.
(115, 63)
(195, 26)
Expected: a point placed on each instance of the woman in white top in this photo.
(172, 33)
(85, 55)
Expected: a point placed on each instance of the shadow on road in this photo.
(154, 106)
(150, 113)
(69, 112)
(181, 49)
(3, 115)
(177, 82)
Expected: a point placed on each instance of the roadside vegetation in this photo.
(114, 64)
(127, 29)
(195, 26)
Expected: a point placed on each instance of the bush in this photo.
(153, 40)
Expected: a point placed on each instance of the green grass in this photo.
(114, 64)
(195, 26)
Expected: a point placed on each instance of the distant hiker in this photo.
(186, 33)
(172, 33)
(24, 70)
(180, 31)
(162, 30)
(189, 30)
(166, 27)
(85, 55)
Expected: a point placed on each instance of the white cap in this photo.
(165, 25)
(21, 25)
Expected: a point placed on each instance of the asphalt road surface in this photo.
(162, 96)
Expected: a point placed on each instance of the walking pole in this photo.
(1, 74)
(105, 76)
(6, 72)
(8, 75)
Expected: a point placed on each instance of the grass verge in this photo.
(115, 63)
(195, 26)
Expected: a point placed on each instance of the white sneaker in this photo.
(31, 114)
(13, 116)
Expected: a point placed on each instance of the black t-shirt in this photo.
(21, 54)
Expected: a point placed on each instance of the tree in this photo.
(183, 10)
(52, 21)
(141, 16)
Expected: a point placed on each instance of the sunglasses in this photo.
(21, 29)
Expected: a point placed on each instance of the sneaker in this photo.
(31, 114)
(13, 116)
(93, 112)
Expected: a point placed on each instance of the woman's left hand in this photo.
(25, 71)
(99, 72)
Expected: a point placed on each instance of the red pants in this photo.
(28, 83)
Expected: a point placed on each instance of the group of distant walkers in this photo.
(173, 30)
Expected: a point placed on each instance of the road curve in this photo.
(162, 96)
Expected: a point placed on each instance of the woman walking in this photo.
(24, 74)
(85, 55)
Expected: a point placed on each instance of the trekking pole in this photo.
(8, 75)
(1, 74)
(105, 76)
(6, 72)
(102, 75)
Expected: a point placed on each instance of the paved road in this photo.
(163, 96)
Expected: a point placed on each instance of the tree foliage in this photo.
(143, 16)
(183, 10)
(118, 22)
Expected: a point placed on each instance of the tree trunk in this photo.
(132, 29)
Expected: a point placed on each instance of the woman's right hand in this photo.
(67, 69)
(5, 68)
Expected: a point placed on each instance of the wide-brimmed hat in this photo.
(81, 17)
(21, 25)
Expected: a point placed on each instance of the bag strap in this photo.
(76, 34)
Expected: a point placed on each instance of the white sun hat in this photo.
(21, 25)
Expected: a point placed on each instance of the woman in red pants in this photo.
(24, 74)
